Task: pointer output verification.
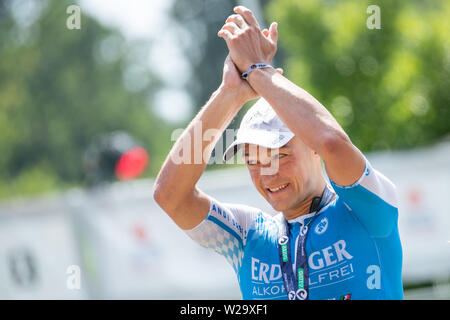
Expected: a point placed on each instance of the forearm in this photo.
(190, 154)
(313, 123)
(301, 112)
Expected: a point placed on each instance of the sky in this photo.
(148, 19)
(135, 18)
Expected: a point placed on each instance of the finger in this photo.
(232, 27)
(248, 16)
(265, 32)
(280, 70)
(236, 18)
(225, 34)
(273, 32)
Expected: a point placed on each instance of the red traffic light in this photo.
(131, 164)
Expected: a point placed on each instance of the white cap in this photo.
(261, 126)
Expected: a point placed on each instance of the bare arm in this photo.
(175, 187)
(301, 112)
(310, 120)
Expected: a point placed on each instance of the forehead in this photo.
(253, 149)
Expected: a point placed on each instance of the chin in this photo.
(279, 206)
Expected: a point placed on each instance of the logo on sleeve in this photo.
(321, 226)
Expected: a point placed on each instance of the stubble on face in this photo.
(293, 186)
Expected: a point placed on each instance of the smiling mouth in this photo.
(277, 189)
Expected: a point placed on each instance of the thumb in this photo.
(273, 32)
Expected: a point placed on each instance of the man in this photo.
(322, 244)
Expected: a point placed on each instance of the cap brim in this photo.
(264, 138)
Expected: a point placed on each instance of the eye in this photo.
(279, 156)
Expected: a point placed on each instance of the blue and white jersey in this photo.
(353, 245)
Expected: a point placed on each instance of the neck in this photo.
(303, 207)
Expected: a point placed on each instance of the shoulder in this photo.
(372, 199)
(372, 183)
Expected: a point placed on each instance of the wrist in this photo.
(253, 68)
(235, 97)
(259, 74)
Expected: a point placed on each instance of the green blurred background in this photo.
(60, 88)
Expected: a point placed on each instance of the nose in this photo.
(269, 169)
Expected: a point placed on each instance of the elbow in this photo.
(165, 199)
(334, 142)
(157, 194)
(160, 196)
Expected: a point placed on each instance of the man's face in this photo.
(287, 187)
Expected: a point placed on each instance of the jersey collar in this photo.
(301, 219)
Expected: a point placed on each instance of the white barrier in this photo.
(37, 247)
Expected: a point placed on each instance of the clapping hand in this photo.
(246, 42)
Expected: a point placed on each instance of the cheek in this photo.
(256, 179)
(293, 169)
(296, 173)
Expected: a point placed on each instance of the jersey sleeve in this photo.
(225, 229)
(372, 199)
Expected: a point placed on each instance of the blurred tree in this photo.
(60, 88)
(388, 88)
(198, 22)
